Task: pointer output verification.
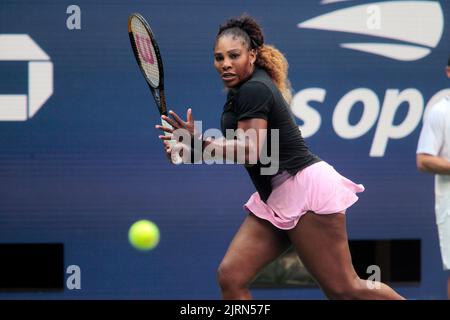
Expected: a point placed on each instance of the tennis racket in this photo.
(148, 58)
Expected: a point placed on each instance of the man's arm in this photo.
(432, 164)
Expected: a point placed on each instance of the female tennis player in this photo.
(304, 204)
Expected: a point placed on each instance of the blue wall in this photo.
(89, 163)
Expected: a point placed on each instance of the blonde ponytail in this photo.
(273, 61)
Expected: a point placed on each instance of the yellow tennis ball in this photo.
(143, 235)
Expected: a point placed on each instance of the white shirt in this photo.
(435, 140)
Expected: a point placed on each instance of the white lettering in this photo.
(341, 114)
(302, 110)
(386, 129)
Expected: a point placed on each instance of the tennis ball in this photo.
(143, 235)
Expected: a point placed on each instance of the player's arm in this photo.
(246, 148)
(248, 145)
(252, 104)
(432, 164)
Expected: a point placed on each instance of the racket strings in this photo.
(146, 51)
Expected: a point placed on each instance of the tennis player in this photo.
(433, 156)
(304, 204)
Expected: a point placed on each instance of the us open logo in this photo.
(405, 31)
(411, 28)
(21, 107)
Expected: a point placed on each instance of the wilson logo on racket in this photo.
(144, 47)
(21, 107)
(417, 26)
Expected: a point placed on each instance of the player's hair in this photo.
(448, 63)
(267, 57)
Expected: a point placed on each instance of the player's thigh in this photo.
(256, 244)
(322, 244)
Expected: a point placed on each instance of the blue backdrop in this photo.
(88, 163)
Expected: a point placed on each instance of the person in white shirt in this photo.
(433, 156)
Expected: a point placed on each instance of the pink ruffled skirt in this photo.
(318, 188)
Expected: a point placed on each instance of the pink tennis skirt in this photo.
(318, 188)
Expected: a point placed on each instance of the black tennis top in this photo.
(258, 97)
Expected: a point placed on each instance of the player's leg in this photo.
(256, 244)
(322, 244)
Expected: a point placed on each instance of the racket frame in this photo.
(158, 91)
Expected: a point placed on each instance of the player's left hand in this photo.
(177, 123)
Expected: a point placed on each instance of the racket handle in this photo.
(175, 154)
(166, 124)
